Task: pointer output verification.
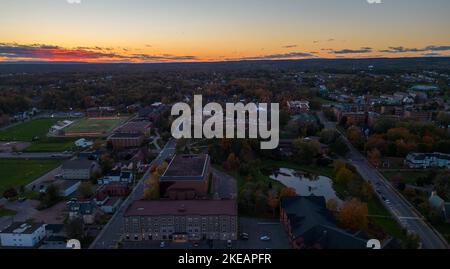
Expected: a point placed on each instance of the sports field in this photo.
(28, 130)
(14, 173)
(93, 126)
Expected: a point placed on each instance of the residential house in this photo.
(428, 160)
(22, 234)
(296, 107)
(86, 210)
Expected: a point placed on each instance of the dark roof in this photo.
(22, 228)
(66, 184)
(186, 167)
(54, 228)
(77, 164)
(182, 208)
(124, 135)
(313, 224)
(134, 126)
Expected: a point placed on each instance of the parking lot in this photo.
(256, 228)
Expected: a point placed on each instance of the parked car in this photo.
(264, 238)
(244, 236)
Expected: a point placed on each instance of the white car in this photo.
(264, 238)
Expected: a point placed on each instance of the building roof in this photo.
(125, 135)
(313, 224)
(22, 228)
(182, 208)
(66, 184)
(186, 167)
(134, 127)
(77, 164)
(54, 228)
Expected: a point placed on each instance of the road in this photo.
(112, 231)
(402, 210)
(36, 155)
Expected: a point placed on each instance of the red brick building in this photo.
(121, 140)
(135, 127)
(186, 177)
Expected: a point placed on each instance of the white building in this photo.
(427, 160)
(20, 234)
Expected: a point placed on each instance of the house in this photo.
(181, 221)
(86, 210)
(113, 189)
(81, 169)
(117, 175)
(310, 224)
(110, 204)
(186, 177)
(124, 140)
(22, 234)
(83, 143)
(296, 107)
(108, 197)
(427, 160)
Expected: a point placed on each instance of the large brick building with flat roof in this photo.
(124, 140)
(186, 177)
(181, 220)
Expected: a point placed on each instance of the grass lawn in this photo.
(14, 173)
(28, 130)
(6, 212)
(409, 177)
(52, 144)
(89, 125)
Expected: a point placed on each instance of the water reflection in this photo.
(306, 184)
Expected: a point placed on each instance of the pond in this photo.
(306, 184)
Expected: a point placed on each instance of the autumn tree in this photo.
(353, 215)
(306, 151)
(152, 187)
(355, 136)
(344, 176)
(273, 202)
(288, 192)
(374, 157)
(338, 165)
(85, 190)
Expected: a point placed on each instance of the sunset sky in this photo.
(217, 30)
